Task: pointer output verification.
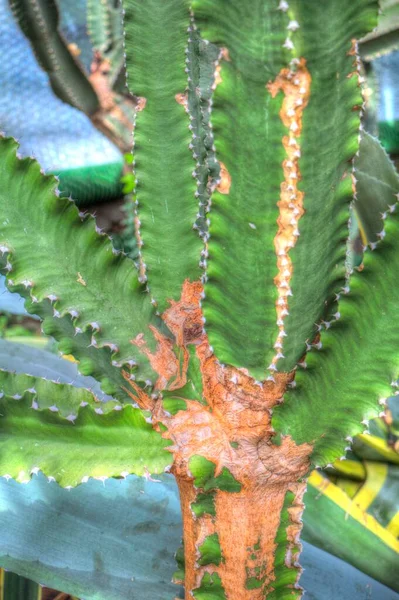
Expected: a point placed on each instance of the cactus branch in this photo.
(157, 38)
(240, 317)
(95, 443)
(66, 274)
(365, 379)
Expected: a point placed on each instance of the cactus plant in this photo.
(112, 541)
(100, 94)
(240, 352)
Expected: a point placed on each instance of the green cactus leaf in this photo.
(39, 21)
(112, 444)
(210, 551)
(95, 362)
(74, 267)
(210, 588)
(104, 26)
(58, 397)
(327, 144)
(91, 184)
(156, 40)
(202, 58)
(344, 378)
(99, 24)
(240, 296)
(286, 568)
(173, 405)
(204, 505)
(239, 303)
(377, 187)
(203, 471)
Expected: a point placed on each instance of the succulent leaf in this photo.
(93, 361)
(20, 358)
(113, 444)
(378, 495)
(355, 537)
(94, 541)
(58, 397)
(75, 267)
(373, 448)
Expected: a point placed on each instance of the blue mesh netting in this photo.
(57, 135)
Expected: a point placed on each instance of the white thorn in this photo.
(288, 44)
(293, 25)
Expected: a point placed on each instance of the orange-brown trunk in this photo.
(246, 524)
(228, 425)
